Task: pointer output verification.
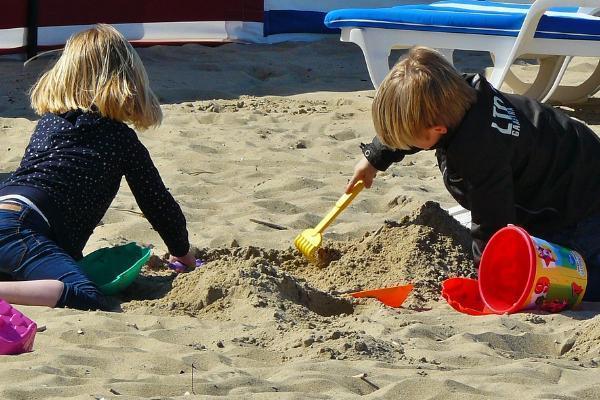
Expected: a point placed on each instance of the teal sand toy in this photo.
(113, 269)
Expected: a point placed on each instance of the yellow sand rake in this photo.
(309, 241)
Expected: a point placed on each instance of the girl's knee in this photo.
(82, 297)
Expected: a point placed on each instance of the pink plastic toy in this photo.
(17, 332)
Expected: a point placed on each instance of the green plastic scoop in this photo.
(113, 269)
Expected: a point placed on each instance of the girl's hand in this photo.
(188, 260)
(363, 170)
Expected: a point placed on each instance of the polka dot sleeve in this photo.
(153, 198)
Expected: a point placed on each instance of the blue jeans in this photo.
(585, 239)
(27, 253)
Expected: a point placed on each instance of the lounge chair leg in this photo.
(548, 73)
(377, 65)
(546, 86)
(376, 54)
(579, 93)
(502, 63)
(557, 79)
(550, 68)
(448, 55)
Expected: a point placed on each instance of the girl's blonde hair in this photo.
(98, 71)
(421, 91)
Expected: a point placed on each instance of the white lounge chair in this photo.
(506, 30)
(462, 215)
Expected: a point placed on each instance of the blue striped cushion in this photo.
(471, 17)
(490, 6)
(294, 21)
(307, 16)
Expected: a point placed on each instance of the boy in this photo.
(507, 158)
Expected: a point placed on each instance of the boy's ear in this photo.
(439, 129)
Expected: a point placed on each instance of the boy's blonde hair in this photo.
(421, 91)
(98, 71)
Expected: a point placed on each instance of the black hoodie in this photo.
(513, 160)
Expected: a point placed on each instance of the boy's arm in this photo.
(377, 157)
(380, 156)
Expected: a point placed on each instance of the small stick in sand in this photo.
(193, 368)
(363, 376)
(129, 211)
(194, 173)
(269, 224)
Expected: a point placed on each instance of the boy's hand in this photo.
(363, 170)
(188, 260)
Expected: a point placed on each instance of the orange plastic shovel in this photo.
(392, 296)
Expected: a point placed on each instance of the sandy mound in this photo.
(299, 308)
(424, 249)
(242, 277)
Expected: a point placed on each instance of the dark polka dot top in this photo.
(72, 169)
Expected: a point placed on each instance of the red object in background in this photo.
(14, 14)
(70, 12)
(64, 17)
(463, 295)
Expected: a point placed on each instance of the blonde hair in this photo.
(98, 71)
(421, 91)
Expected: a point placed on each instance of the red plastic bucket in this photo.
(518, 272)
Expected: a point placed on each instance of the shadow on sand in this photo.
(193, 72)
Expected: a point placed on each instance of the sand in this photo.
(271, 134)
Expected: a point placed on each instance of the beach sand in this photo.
(271, 134)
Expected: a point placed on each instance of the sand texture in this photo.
(268, 135)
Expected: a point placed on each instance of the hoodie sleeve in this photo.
(380, 156)
(492, 205)
(155, 201)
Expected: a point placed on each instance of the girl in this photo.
(72, 168)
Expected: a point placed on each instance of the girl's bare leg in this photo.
(32, 293)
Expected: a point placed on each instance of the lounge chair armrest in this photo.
(537, 10)
(538, 7)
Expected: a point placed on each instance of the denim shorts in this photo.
(27, 253)
(585, 239)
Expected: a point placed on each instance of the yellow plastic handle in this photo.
(340, 205)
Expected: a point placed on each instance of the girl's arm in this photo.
(155, 201)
